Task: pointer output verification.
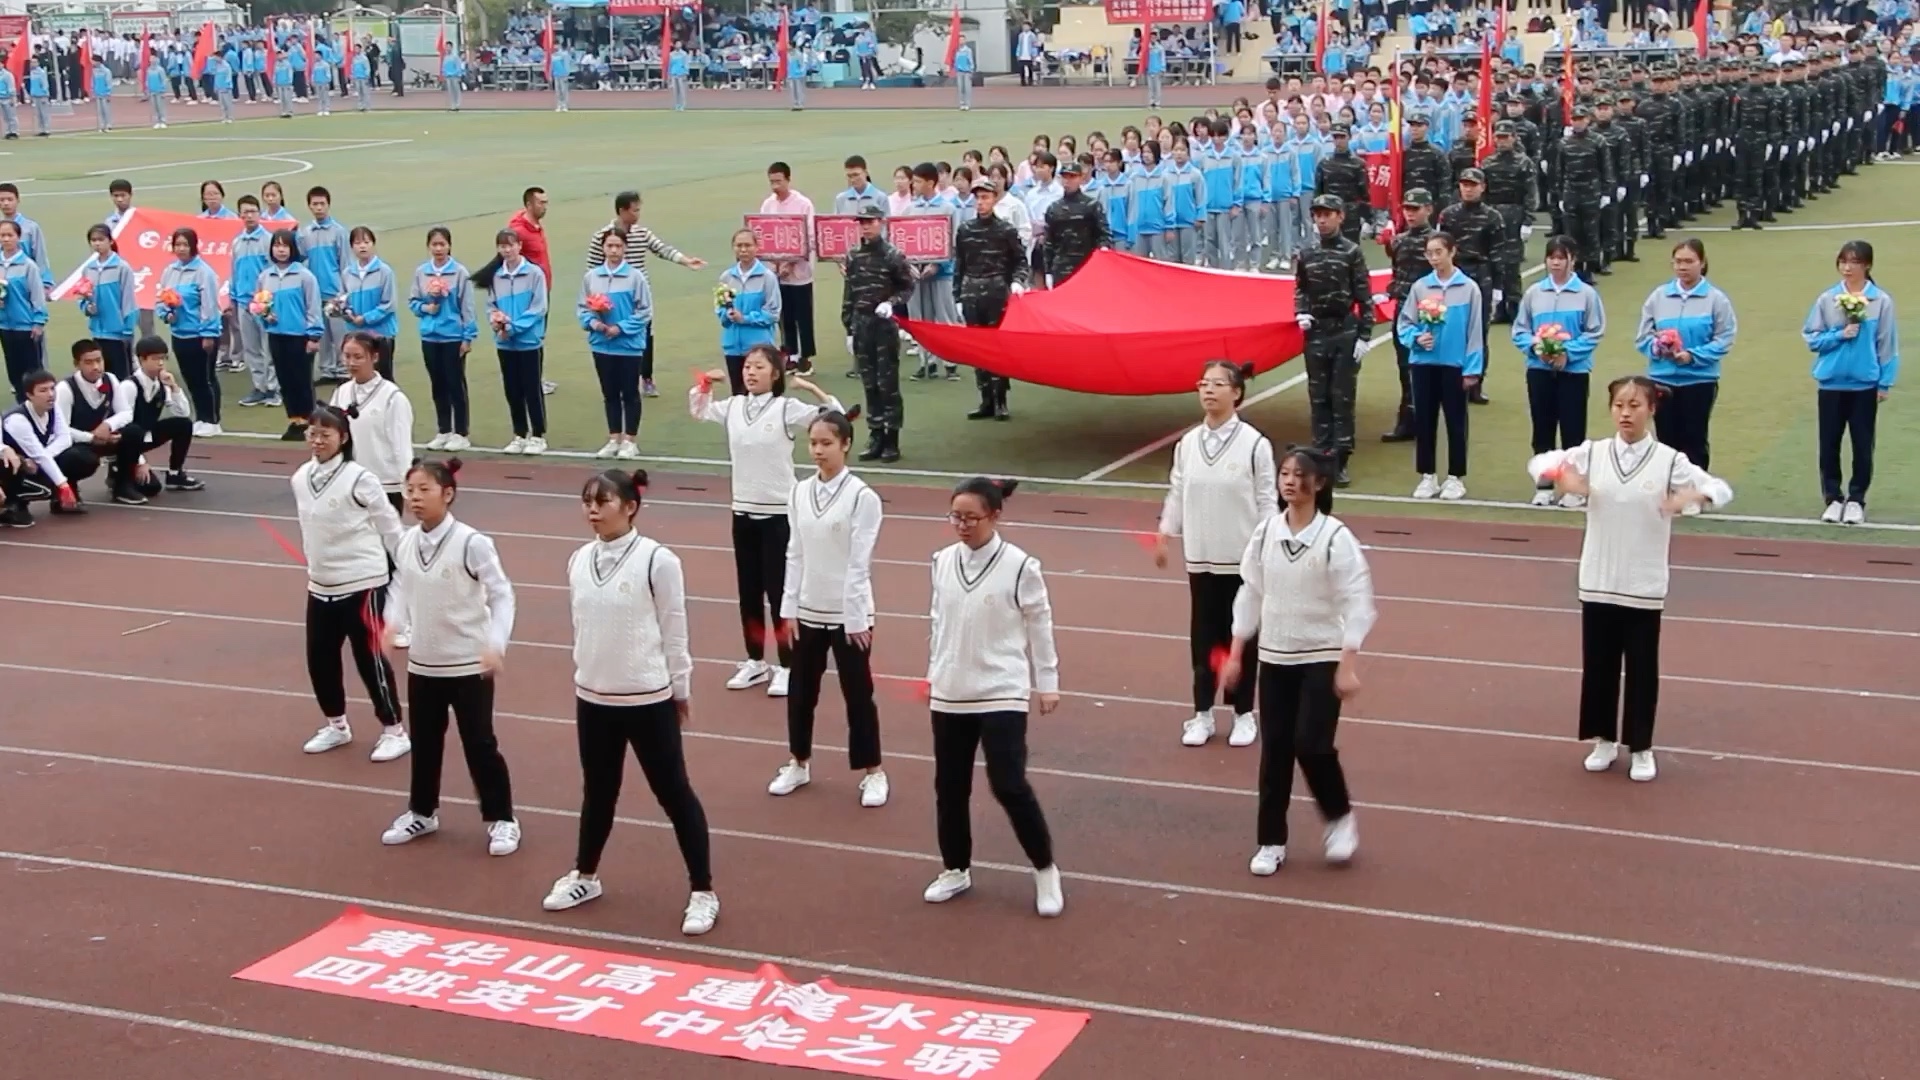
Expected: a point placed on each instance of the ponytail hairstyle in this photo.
(1859, 251)
(1318, 466)
(625, 488)
(106, 234)
(1652, 391)
(483, 277)
(994, 493)
(840, 423)
(444, 473)
(775, 361)
(327, 416)
(1237, 374)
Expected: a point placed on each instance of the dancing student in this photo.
(1308, 603)
(108, 301)
(1634, 485)
(991, 654)
(442, 299)
(1855, 339)
(49, 465)
(517, 315)
(291, 316)
(350, 532)
(380, 414)
(371, 306)
(751, 311)
(1558, 376)
(1223, 484)
(194, 325)
(1687, 327)
(827, 605)
(761, 425)
(23, 308)
(1444, 362)
(452, 609)
(633, 680)
(616, 311)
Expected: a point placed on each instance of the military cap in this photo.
(1472, 176)
(871, 213)
(1072, 167)
(1330, 202)
(1417, 118)
(1505, 127)
(1417, 197)
(986, 183)
(1340, 129)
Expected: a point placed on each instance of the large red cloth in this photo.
(1130, 326)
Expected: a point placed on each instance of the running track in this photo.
(1750, 914)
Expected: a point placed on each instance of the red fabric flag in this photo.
(1485, 146)
(310, 52)
(146, 57)
(666, 43)
(86, 63)
(440, 46)
(1320, 39)
(953, 36)
(270, 48)
(546, 43)
(1396, 164)
(202, 50)
(1702, 20)
(1568, 89)
(18, 58)
(780, 53)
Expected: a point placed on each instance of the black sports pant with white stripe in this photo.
(470, 699)
(353, 620)
(810, 649)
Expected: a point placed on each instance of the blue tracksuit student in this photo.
(452, 71)
(796, 75)
(293, 325)
(1283, 191)
(617, 337)
(111, 308)
(40, 96)
(222, 75)
(195, 327)
(1186, 209)
(320, 80)
(1441, 358)
(1557, 393)
(1254, 223)
(323, 245)
(1115, 192)
(283, 85)
(102, 91)
(372, 297)
(562, 78)
(1856, 360)
(360, 72)
(677, 67)
(9, 104)
(1703, 318)
(1219, 164)
(249, 260)
(1148, 202)
(517, 314)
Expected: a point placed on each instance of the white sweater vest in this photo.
(977, 661)
(345, 554)
(1300, 616)
(619, 653)
(821, 516)
(760, 443)
(447, 605)
(1623, 560)
(1218, 504)
(382, 429)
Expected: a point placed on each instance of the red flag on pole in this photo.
(780, 53)
(1569, 90)
(1500, 27)
(546, 43)
(1396, 161)
(1320, 39)
(953, 36)
(1702, 20)
(22, 51)
(310, 47)
(86, 63)
(440, 46)
(1485, 146)
(203, 50)
(146, 57)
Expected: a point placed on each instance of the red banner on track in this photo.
(760, 1017)
(145, 240)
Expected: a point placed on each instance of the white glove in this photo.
(1689, 157)
(1620, 193)
(1645, 179)
(1360, 350)
(1806, 145)
(1018, 288)
(1676, 161)
(1497, 297)
(884, 309)
(1605, 201)
(1769, 153)
(1836, 127)
(1526, 231)
(849, 344)
(1305, 322)
(1867, 117)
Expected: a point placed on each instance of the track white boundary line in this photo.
(262, 1038)
(684, 946)
(1846, 226)
(1101, 530)
(1371, 654)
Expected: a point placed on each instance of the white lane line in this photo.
(954, 986)
(262, 1038)
(1410, 658)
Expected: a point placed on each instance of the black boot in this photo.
(1000, 403)
(1340, 477)
(876, 443)
(985, 411)
(890, 447)
(1402, 427)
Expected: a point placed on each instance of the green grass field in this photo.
(700, 171)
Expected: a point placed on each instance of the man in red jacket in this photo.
(533, 244)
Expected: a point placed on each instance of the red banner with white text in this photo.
(144, 239)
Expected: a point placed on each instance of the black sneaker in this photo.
(294, 433)
(16, 516)
(180, 481)
(128, 495)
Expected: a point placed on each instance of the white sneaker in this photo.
(457, 443)
(1642, 768)
(1427, 488)
(777, 684)
(503, 837)
(1573, 502)
(793, 776)
(1268, 860)
(749, 673)
(571, 891)
(949, 884)
(535, 445)
(1453, 489)
(1342, 838)
(333, 733)
(204, 430)
(393, 743)
(611, 449)
(1692, 510)
(1245, 730)
(438, 442)
(629, 450)
(517, 446)
(1603, 755)
(874, 790)
(1831, 515)
(409, 826)
(1854, 514)
(1544, 497)
(1048, 900)
(703, 910)
(1197, 730)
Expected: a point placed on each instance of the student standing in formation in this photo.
(323, 245)
(452, 609)
(749, 308)
(193, 320)
(991, 654)
(249, 260)
(1855, 338)
(517, 315)
(380, 414)
(1559, 373)
(633, 681)
(289, 312)
(616, 311)
(761, 425)
(827, 605)
(442, 299)
(796, 275)
(109, 302)
(372, 305)
(1687, 327)
(350, 532)
(1222, 486)
(23, 308)
(1634, 484)
(1308, 602)
(1440, 324)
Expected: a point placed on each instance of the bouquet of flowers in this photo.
(169, 297)
(1853, 307)
(722, 297)
(1667, 342)
(438, 288)
(1431, 312)
(3, 287)
(599, 303)
(335, 308)
(1553, 339)
(261, 304)
(83, 288)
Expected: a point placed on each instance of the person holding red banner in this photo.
(796, 275)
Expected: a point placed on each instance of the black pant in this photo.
(736, 373)
(760, 570)
(646, 358)
(1557, 402)
(293, 367)
(22, 351)
(1683, 419)
(619, 390)
(118, 353)
(203, 383)
(354, 620)
(1210, 634)
(605, 732)
(447, 376)
(796, 320)
(1402, 359)
(810, 650)
(1298, 714)
(987, 309)
(470, 698)
(173, 432)
(1611, 637)
(1003, 735)
(1851, 412)
(1332, 381)
(77, 463)
(526, 399)
(1438, 390)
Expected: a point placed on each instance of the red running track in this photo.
(1747, 914)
